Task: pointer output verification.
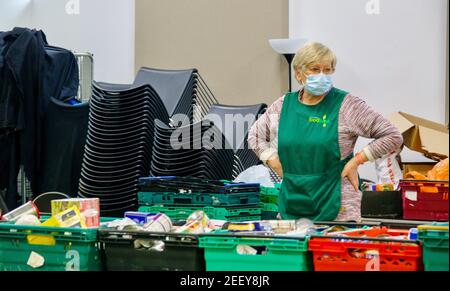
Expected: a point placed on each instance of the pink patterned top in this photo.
(356, 119)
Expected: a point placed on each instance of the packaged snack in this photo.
(89, 209)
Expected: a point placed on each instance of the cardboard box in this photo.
(421, 135)
(422, 168)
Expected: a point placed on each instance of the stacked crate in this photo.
(434, 240)
(425, 200)
(269, 201)
(179, 197)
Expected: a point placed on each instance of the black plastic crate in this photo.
(181, 252)
(382, 205)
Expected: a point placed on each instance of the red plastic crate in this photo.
(332, 254)
(425, 200)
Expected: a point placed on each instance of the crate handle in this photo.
(41, 240)
(440, 243)
(429, 189)
(153, 245)
(433, 227)
(248, 250)
(362, 253)
(182, 200)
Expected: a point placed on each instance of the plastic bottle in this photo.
(413, 234)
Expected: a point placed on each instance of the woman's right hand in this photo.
(275, 164)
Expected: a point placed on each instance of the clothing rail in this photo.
(86, 71)
(24, 187)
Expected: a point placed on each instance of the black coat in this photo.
(31, 72)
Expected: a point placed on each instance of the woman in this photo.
(308, 138)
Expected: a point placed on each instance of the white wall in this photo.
(395, 60)
(14, 13)
(102, 27)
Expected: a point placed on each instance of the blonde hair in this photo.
(313, 53)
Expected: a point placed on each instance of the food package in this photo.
(281, 226)
(139, 217)
(68, 218)
(261, 226)
(89, 209)
(159, 223)
(27, 209)
(29, 219)
(388, 170)
(197, 222)
(414, 175)
(439, 172)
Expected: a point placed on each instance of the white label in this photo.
(411, 195)
(35, 260)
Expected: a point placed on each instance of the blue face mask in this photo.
(318, 85)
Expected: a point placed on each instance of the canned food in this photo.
(27, 209)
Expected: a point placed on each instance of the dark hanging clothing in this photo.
(64, 137)
(30, 73)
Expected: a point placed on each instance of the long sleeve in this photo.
(359, 119)
(263, 136)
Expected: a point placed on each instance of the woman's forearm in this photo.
(275, 164)
(361, 120)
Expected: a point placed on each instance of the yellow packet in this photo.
(44, 240)
(68, 218)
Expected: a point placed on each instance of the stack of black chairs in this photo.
(118, 145)
(235, 125)
(121, 129)
(215, 148)
(188, 151)
(182, 91)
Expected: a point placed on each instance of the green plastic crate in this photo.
(269, 211)
(282, 254)
(226, 213)
(270, 199)
(75, 249)
(245, 218)
(198, 199)
(270, 195)
(435, 247)
(230, 214)
(175, 213)
(272, 190)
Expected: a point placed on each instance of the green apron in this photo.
(308, 147)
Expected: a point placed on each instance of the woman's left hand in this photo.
(351, 172)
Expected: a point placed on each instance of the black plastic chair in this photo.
(170, 85)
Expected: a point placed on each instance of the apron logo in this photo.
(324, 121)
